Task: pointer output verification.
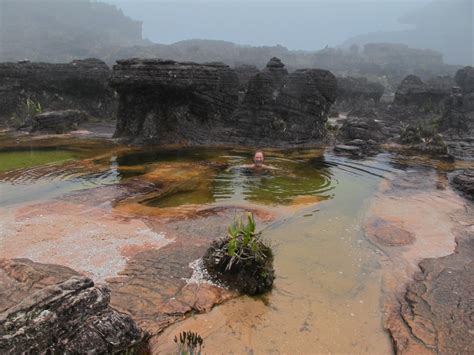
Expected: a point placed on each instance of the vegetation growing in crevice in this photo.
(424, 137)
(26, 110)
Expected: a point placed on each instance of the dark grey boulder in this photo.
(412, 91)
(464, 182)
(58, 121)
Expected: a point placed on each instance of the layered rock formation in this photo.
(59, 312)
(426, 96)
(360, 136)
(465, 79)
(245, 72)
(352, 91)
(170, 102)
(81, 84)
(457, 121)
(281, 108)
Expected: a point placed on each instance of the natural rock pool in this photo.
(136, 218)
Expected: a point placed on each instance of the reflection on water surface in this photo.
(328, 276)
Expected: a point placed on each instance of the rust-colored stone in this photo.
(388, 233)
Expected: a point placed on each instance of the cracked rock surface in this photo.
(60, 312)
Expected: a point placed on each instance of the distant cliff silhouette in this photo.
(445, 26)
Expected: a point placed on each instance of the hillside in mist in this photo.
(445, 26)
(59, 31)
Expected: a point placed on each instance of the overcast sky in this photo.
(307, 25)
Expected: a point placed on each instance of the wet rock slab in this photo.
(435, 313)
(388, 233)
(60, 312)
(154, 287)
(429, 293)
(159, 287)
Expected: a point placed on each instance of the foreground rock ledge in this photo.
(72, 316)
(435, 314)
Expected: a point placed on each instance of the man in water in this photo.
(258, 159)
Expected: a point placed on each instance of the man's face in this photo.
(258, 159)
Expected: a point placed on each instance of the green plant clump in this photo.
(189, 343)
(423, 137)
(26, 110)
(242, 260)
(243, 243)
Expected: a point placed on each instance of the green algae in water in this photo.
(197, 197)
(191, 192)
(291, 179)
(12, 160)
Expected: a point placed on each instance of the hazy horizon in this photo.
(84, 27)
(303, 25)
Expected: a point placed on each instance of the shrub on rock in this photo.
(241, 260)
(424, 138)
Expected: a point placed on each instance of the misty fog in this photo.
(443, 26)
(446, 26)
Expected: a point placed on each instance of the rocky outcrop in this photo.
(59, 312)
(465, 79)
(250, 277)
(434, 314)
(81, 84)
(352, 91)
(464, 182)
(457, 121)
(423, 138)
(58, 121)
(360, 136)
(361, 128)
(427, 97)
(171, 102)
(281, 108)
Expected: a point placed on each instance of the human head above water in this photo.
(258, 158)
